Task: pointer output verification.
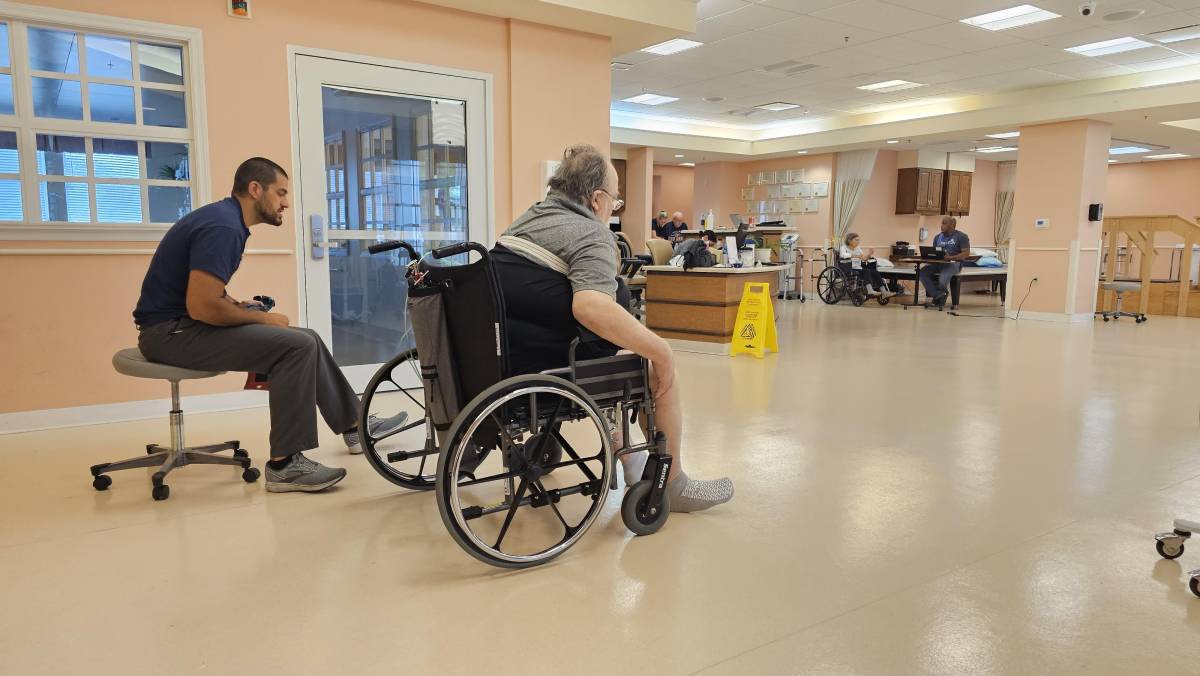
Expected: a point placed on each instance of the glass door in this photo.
(385, 153)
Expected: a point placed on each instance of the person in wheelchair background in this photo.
(566, 235)
(851, 251)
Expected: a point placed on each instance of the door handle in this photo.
(316, 226)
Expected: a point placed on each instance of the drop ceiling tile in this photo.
(803, 6)
(636, 57)
(1161, 64)
(1081, 37)
(1070, 21)
(1082, 68)
(713, 30)
(1187, 46)
(1150, 24)
(753, 16)
(902, 50)
(955, 9)
(1018, 79)
(806, 32)
(961, 37)
(974, 64)
(879, 16)
(1138, 56)
(710, 8)
(856, 59)
(1182, 4)
(1028, 54)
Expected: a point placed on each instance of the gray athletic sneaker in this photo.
(302, 474)
(378, 426)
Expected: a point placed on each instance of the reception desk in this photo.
(769, 235)
(696, 310)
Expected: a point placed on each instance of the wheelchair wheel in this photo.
(858, 294)
(882, 299)
(407, 456)
(831, 285)
(514, 513)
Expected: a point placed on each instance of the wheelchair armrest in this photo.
(631, 266)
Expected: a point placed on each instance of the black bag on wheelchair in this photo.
(433, 346)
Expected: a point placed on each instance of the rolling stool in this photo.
(131, 363)
(1120, 288)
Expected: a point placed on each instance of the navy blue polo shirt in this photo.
(953, 244)
(211, 238)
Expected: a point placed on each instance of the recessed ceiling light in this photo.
(1115, 46)
(617, 65)
(1112, 161)
(1167, 156)
(1021, 15)
(678, 157)
(778, 106)
(687, 164)
(1124, 15)
(672, 46)
(801, 152)
(651, 99)
(1176, 34)
(1127, 150)
(890, 86)
(1006, 134)
(890, 141)
(995, 149)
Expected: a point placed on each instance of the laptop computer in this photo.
(931, 253)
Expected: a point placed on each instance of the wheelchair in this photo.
(521, 465)
(842, 280)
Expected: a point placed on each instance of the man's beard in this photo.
(266, 215)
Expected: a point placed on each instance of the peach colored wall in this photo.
(559, 84)
(719, 188)
(639, 193)
(1147, 188)
(60, 350)
(878, 225)
(675, 194)
(1063, 168)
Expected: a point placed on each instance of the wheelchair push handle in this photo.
(391, 245)
(460, 248)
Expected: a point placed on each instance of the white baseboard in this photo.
(1057, 317)
(54, 418)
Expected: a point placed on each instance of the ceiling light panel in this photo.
(1127, 150)
(995, 149)
(888, 86)
(672, 46)
(1176, 34)
(1007, 134)
(650, 99)
(1013, 17)
(778, 106)
(1116, 46)
(1167, 156)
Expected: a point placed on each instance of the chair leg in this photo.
(150, 460)
(198, 457)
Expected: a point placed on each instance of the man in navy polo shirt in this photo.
(185, 318)
(936, 276)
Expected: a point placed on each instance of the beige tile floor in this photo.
(917, 493)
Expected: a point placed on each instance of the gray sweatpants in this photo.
(303, 374)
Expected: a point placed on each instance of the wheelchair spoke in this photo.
(512, 510)
(575, 456)
(497, 477)
(508, 440)
(550, 501)
(552, 424)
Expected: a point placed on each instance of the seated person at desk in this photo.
(852, 251)
(566, 232)
(936, 277)
(672, 228)
(658, 221)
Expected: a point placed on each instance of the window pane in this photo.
(64, 201)
(114, 158)
(108, 57)
(163, 109)
(111, 103)
(9, 160)
(6, 98)
(55, 51)
(168, 204)
(61, 155)
(5, 62)
(161, 63)
(167, 161)
(57, 98)
(11, 208)
(118, 203)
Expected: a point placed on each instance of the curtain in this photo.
(1005, 195)
(854, 169)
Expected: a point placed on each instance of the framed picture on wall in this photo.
(774, 192)
(764, 177)
(751, 178)
(795, 176)
(806, 190)
(811, 206)
(747, 194)
(795, 206)
(781, 176)
(791, 191)
(821, 189)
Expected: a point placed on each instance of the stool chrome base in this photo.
(177, 455)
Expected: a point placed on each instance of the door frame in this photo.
(301, 230)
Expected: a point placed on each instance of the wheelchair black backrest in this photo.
(474, 311)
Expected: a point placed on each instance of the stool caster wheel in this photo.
(1106, 319)
(161, 492)
(250, 475)
(102, 482)
(1170, 545)
(241, 453)
(639, 517)
(1194, 583)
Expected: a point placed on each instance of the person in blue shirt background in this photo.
(936, 277)
(671, 229)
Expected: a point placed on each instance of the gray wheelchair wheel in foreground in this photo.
(511, 511)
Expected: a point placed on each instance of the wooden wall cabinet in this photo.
(920, 190)
(957, 201)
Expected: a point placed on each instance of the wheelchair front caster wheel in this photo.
(1107, 319)
(161, 492)
(1194, 584)
(241, 453)
(250, 475)
(642, 518)
(102, 482)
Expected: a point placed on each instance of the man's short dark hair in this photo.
(258, 169)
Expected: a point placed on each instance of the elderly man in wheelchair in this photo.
(534, 374)
(853, 276)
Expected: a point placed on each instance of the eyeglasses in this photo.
(617, 203)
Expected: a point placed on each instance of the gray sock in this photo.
(633, 465)
(692, 495)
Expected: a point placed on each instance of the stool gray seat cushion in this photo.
(1121, 286)
(131, 363)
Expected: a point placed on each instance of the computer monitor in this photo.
(735, 219)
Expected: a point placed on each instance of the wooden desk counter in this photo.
(700, 304)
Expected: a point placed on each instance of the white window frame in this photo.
(195, 135)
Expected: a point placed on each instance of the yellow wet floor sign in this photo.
(754, 330)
